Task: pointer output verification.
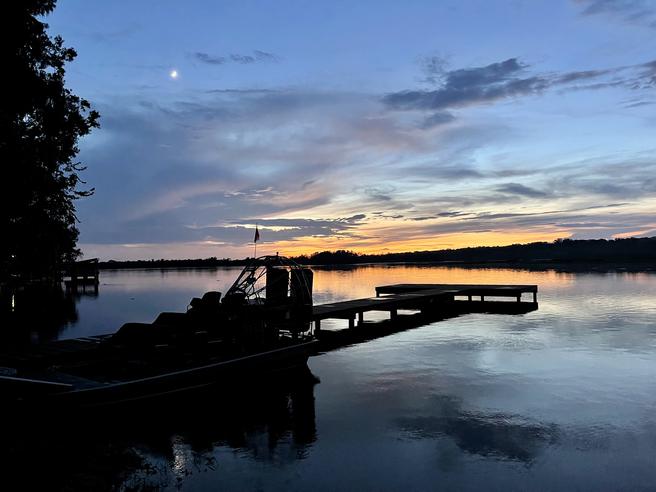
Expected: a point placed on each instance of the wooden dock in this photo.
(469, 290)
(82, 274)
(427, 298)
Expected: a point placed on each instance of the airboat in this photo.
(260, 326)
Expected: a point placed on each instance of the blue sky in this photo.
(372, 126)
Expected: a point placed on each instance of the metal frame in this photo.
(256, 270)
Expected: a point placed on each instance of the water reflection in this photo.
(492, 435)
(36, 313)
(378, 328)
(163, 445)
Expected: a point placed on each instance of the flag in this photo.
(257, 235)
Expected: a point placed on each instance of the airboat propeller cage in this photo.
(274, 280)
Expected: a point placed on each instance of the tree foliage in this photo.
(41, 122)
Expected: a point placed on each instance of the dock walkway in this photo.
(423, 297)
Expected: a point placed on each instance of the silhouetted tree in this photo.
(40, 124)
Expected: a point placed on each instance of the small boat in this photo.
(261, 326)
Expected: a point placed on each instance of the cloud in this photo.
(380, 193)
(484, 76)
(209, 59)
(449, 154)
(243, 92)
(602, 224)
(463, 87)
(582, 75)
(509, 79)
(520, 189)
(116, 34)
(243, 59)
(437, 119)
(257, 57)
(649, 72)
(194, 170)
(433, 68)
(455, 213)
(638, 104)
(438, 171)
(439, 215)
(239, 232)
(177, 226)
(637, 12)
(624, 178)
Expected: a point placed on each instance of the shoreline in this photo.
(538, 264)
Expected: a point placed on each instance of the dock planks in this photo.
(497, 290)
(422, 297)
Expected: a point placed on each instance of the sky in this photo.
(371, 126)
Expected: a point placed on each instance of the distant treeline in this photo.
(188, 263)
(559, 251)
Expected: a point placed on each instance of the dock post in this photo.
(360, 318)
(469, 298)
(482, 298)
(519, 298)
(351, 322)
(535, 297)
(393, 314)
(317, 326)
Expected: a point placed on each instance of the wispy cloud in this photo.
(520, 189)
(437, 119)
(637, 12)
(116, 34)
(257, 56)
(433, 68)
(210, 59)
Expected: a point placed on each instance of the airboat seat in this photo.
(134, 334)
(171, 319)
(237, 298)
(147, 334)
(211, 301)
(211, 298)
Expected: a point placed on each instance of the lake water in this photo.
(562, 398)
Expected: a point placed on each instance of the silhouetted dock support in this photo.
(429, 298)
(82, 274)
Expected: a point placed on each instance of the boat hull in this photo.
(235, 371)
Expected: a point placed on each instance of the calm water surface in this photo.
(560, 398)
